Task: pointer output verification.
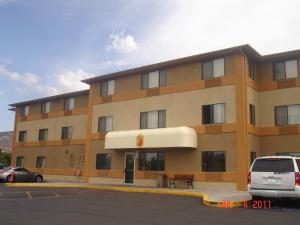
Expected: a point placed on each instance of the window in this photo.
(69, 104)
(252, 157)
(105, 124)
(40, 162)
(287, 115)
(66, 132)
(22, 135)
(152, 161)
(213, 68)
(252, 114)
(45, 107)
(213, 114)
(154, 79)
(20, 161)
(251, 69)
(153, 119)
(103, 161)
(107, 88)
(24, 111)
(214, 161)
(285, 70)
(43, 134)
(273, 165)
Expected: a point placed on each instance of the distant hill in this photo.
(6, 140)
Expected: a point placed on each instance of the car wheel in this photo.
(38, 179)
(10, 179)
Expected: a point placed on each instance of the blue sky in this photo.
(47, 47)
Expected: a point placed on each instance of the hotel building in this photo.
(208, 115)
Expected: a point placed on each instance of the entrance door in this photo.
(129, 167)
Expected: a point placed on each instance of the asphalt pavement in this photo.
(64, 206)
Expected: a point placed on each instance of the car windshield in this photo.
(273, 165)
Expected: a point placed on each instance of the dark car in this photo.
(19, 174)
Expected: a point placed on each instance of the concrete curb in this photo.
(203, 197)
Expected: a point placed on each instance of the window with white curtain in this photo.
(213, 68)
(153, 119)
(213, 114)
(154, 79)
(45, 107)
(285, 70)
(69, 104)
(294, 114)
(107, 88)
(287, 115)
(105, 123)
(24, 110)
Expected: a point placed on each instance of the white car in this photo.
(275, 176)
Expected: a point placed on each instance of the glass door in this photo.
(129, 167)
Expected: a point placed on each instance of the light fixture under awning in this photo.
(152, 138)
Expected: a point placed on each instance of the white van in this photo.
(275, 176)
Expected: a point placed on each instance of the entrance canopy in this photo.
(152, 138)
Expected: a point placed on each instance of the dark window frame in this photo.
(212, 114)
(39, 163)
(285, 78)
(252, 114)
(287, 122)
(253, 156)
(162, 79)
(42, 134)
(159, 165)
(107, 164)
(18, 159)
(105, 128)
(65, 133)
(251, 69)
(213, 72)
(161, 112)
(22, 135)
(205, 166)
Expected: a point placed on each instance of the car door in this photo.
(21, 175)
(273, 174)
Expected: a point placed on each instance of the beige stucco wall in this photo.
(54, 125)
(277, 144)
(56, 156)
(182, 108)
(180, 159)
(269, 99)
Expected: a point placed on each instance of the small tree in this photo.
(5, 158)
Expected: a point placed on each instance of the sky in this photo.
(47, 47)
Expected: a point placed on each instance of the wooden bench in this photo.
(188, 179)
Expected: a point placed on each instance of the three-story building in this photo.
(208, 115)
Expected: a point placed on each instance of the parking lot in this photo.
(59, 206)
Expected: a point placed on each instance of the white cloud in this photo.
(70, 80)
(122, 43)
(187, 27)
(65, 81)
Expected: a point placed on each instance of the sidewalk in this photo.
(214, 198)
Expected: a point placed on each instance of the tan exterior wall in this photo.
(126, 115)
(277, 144)
(188, 72)
(54, 126)
(181, 159)
(269, 99)
(56, 156)
(254, 145)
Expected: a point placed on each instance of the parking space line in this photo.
(29, 195)
(57, 195)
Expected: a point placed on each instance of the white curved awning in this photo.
(152, 138)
